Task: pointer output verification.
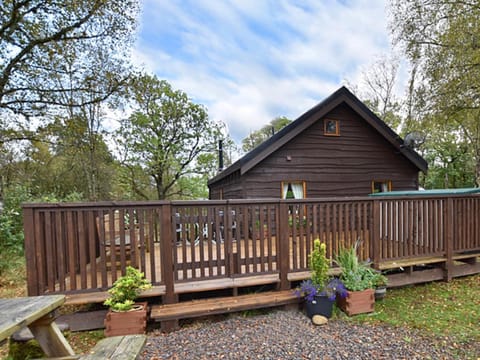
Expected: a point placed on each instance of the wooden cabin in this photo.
(337, 148)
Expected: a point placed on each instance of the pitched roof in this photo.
(342, 95)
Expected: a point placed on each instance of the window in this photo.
(381, 186)
(293, 190)
(331, 127)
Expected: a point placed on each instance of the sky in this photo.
(249, 61)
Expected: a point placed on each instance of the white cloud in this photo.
(249, 61)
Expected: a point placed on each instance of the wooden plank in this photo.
(468, 255)
(83, 320)
(71, 250)
(51, 260)
(152, 226)
(92, 249)
(411, 262)
(82, 242)
(117, 347)
(213, 306)
(50, 338)
(40, 251)
(166, 253)
(30, 244)
(303, 275)
(101, 296)
(283, 246)
(19, 312)
(61, 261)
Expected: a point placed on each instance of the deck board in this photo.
(195, 308)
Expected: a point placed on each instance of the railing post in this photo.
(166, 251)
(375, 237)
(29, 233)
(283, 255)
(449, 238)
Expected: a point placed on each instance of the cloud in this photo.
(249, 61)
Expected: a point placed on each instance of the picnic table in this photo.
(36, 312)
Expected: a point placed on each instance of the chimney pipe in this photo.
(220, 155)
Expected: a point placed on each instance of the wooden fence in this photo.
(180, 245)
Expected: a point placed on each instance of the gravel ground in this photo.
(290, 335)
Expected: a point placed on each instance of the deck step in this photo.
(385, 265)
(101, 296)
(212, 306)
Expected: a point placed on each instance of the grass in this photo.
(447, 312)
(439, 309)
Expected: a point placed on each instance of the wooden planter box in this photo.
(126, 322)
(358, 302)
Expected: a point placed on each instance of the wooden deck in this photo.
(196, 246)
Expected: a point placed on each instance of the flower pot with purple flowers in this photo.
(321, 290)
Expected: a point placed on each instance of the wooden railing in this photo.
(86, 246)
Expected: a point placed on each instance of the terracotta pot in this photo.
(126, 322)
(358, 302)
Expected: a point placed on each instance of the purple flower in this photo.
(333, 289)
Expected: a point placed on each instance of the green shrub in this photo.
(356, 275)
(126, 290)
(11, 220)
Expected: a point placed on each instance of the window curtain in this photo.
(284, 190)
(297, 189)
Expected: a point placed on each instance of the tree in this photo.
(255, 138)
(60, 62)
(80, 127)
(379, 80)
(442, 40)
(451, 163)
(165, 134)
(34, 35)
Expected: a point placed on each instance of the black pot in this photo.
(320, 305)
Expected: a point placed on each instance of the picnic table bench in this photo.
(36, 312)
(125, 347)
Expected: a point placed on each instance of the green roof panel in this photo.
(429, 192)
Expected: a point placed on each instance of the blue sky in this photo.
(249, 61)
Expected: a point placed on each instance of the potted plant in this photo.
(380, 282)
(358, 279)
(125, 316)
(321, 290)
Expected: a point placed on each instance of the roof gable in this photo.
(342, 95)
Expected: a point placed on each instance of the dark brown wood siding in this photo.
(342, 165)
(229, 187)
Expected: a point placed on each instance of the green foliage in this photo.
(449, 155)
(319, 264)
(379, 280)
(255, 138)
(166, 134)
(446, 92)
(356, 275)
(11, 221)
(438, 309)
(42, 41)
(126, 290)
(25, 351)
